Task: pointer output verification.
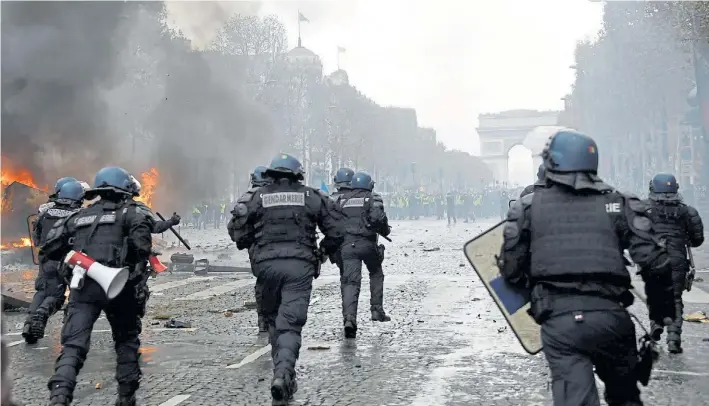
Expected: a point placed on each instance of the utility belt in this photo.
(544, 305)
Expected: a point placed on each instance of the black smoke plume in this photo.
(56, 59)
(92, 84)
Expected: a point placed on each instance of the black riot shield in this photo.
(31, 220)
(513, 303)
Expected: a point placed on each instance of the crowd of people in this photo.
(466, 205)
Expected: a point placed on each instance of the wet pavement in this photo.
(446, 344)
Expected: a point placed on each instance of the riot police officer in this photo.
(258, 179)
(49, 285)
(277, 223)
(342, 180)
(157, 226)
(563, 243)
(115, 233)
(57, 186)
(365, 220)
(680, 226)
(539, 183)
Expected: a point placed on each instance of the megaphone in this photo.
(112, 280)
(156, 265)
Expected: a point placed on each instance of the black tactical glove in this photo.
(385, 231)
(175, 219)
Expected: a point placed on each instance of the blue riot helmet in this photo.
(664, 183)
(570, 151)
(73, 191)
(61, 182)
(540, 172)
(362, 180)
(285, 165)
(258, 176)
(343, 177)
(114, 179)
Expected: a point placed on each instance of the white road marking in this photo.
(175, 400)
(688, 373)
(217, 290)
(95, 331)
(251, 357)
(14, 343)
(156, 330)
(182, 282)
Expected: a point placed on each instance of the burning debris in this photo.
(19, 201)
(149, 182)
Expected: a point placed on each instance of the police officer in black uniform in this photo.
(115, 233)
(365, 220)
(53, 197)
(342, 180)
(49, 285)
(539, 183)
(258, 179)
(564, 243)
(158, 226)
(277, 223)
(680, 226)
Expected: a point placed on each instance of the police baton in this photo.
(387, 238)
(179, 237)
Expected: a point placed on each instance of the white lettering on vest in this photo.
(355, 202)
(612, 207)
(283, 199)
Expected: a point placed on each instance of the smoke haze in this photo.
(91, 84)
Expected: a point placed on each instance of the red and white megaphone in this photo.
(112, 280)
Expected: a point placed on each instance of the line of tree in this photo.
(635, 92)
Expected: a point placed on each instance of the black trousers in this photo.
(575, 343)
(353, 255)
(84, 308)
(50, 288)
(285, 298)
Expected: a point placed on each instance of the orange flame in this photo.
(24, 242)
(148, 181)
(9, 174)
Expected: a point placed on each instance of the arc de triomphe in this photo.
(500, 132)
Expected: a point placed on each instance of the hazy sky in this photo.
(449, 59)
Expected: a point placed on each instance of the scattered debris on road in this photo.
(319, 347)
(173, 323)
(696, 317)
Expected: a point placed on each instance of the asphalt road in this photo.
(446, 344)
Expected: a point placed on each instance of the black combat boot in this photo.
(59, 400)
(674, 347)
(125, 400)
(350, 323)
(378, 314)
(262, 325)
(282, 390)
(34, 327)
